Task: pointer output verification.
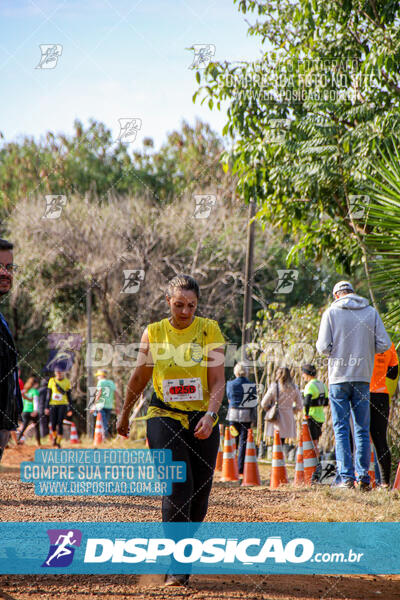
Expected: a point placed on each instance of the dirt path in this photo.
(228, 502)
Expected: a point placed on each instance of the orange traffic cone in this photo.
(371, 471)
(73, 436)
(396, 485)
(299, 470)
(98, 431)
(251, 475)
(278, 474)
(230, 471)
(220, 455)
(309, 454)
(52, 434)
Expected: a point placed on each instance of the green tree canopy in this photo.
(308, 118)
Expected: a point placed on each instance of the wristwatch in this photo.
(213, 415)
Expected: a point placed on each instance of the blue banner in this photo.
(208, 548)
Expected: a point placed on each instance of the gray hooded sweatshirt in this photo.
(351, 333)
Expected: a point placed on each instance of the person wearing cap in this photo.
(104, 401)
(351, 333)
(315, 397)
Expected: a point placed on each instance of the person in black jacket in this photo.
(242, 399)
(10, 394)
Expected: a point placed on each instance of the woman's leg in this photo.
(62, 411)
(203, 455)
(164, 432)
(379, 405)
(26, 419)
(243, 428)
(35, 420)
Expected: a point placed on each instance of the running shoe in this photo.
(363, 486)
(176, 580)
(347, 483)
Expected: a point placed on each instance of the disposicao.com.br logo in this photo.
(209, 551)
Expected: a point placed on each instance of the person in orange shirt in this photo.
(386, 365)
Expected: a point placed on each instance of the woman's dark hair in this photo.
(30, 382)
(182, 282)
(6, 245)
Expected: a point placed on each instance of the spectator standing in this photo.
(104, 402)
(386, 365)
(351, 333)
(315, 397)
(10, 393)
(242, 409)
(284, 391)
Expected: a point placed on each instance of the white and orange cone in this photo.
(299, 469)
(251, 475)
(278, 473)
(73, 436)
(396, 485)
(309, 455)
(220, 455)
(230, 471)
(98, 431)
(371, 471)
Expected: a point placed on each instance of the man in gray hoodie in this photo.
(351, 333)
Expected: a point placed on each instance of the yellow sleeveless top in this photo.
(180, 358)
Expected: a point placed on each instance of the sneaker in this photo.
(347, 483)
(363, 486)
(316, 476)
(176, 580)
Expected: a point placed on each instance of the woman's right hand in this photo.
(46, 411)
(123, 425)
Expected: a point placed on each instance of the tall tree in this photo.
(307, 119)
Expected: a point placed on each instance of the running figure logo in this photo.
(62, 542)
(54, 206)
(203, 54)
(128, 129)
(50, 55)
(251, 391)
(133, 279)
(287, 279)
(204, 204)
(358, 205)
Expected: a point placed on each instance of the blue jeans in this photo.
(351, 398)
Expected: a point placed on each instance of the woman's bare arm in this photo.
(137, 383)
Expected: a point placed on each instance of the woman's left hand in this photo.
(204, 427)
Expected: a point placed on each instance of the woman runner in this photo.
(185, 355)
(30, 410)
(58, 404)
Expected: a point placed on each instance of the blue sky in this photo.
(120, 58)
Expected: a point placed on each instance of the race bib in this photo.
(57, 397)
(182, 390)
